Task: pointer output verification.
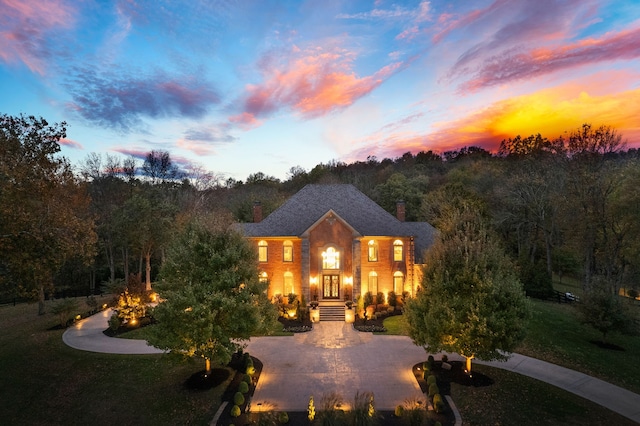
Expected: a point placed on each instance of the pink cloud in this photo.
(312, 83)
(245, 120)
(71, 143)
(502, 69)
(27, 27)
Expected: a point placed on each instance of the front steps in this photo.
(331, 311)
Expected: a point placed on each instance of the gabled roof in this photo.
(366, 217)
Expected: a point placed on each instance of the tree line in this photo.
(568, 206)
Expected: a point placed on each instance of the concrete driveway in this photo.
(334, 358)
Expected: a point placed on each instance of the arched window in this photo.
(331, 259)
(287, 251)
(373, 283)
(288, 283)
(373, 251)
(398, 252)
(398, 282)
(262, 251)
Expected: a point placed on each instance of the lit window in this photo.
(287, 251)
(398, 254)
(373, 251)
(263, 278)
(398, 282)
(262, 251)
(373, 283)
(331, 259)
(288, 283)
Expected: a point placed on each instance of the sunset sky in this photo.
(239, 87)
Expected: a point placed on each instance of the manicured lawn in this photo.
(45, 382)
(556, 335)
(395, 325)
(519, 400)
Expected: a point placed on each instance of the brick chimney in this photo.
(257, 212)
(400, 210)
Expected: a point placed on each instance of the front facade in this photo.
(333, 243)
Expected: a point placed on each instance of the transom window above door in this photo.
(330, 259)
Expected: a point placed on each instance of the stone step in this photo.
(332, 313)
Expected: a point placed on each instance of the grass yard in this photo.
(555, 335)
(520, 401)
(45, 382)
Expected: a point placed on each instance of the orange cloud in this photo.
(312, 83)
(26, 30)
(550, 112)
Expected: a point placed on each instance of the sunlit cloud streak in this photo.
(311, 83)
(502, 69)
(71, 143)
(27, 29)
(121, 101)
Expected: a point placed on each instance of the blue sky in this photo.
(238, 87)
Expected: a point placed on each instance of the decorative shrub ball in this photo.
(251, 370)
(433, 389)
(243, 387)
(247, 379)
(283, 418)
(238, 398)
(438, 403)
(235, 411)
(431, 380)
(399, 411)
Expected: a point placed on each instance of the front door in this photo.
(331, 286)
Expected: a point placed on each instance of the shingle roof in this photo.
(312, 202)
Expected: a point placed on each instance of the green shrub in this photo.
(431, 380)
(430, 362)
(433, 389)
(399, 411)
(243, 387)
(235, 411)
(115, 322)
(283, 418)
(251, 370)
(238, 398)
(65, 310)
(445, 358)
(392, 299)
(438, 403)
(368, 299)
(247, 379)
(426, 367)
(380, 298)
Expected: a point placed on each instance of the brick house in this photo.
(332, 243)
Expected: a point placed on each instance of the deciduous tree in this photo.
(213, 300)
(471, 302)
(44, 217)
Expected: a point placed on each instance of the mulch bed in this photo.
(295, 326)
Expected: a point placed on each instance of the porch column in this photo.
(357, 256)
(305, 270)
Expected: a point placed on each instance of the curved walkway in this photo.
(336, 357)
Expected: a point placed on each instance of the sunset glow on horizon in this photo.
(239, 87)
